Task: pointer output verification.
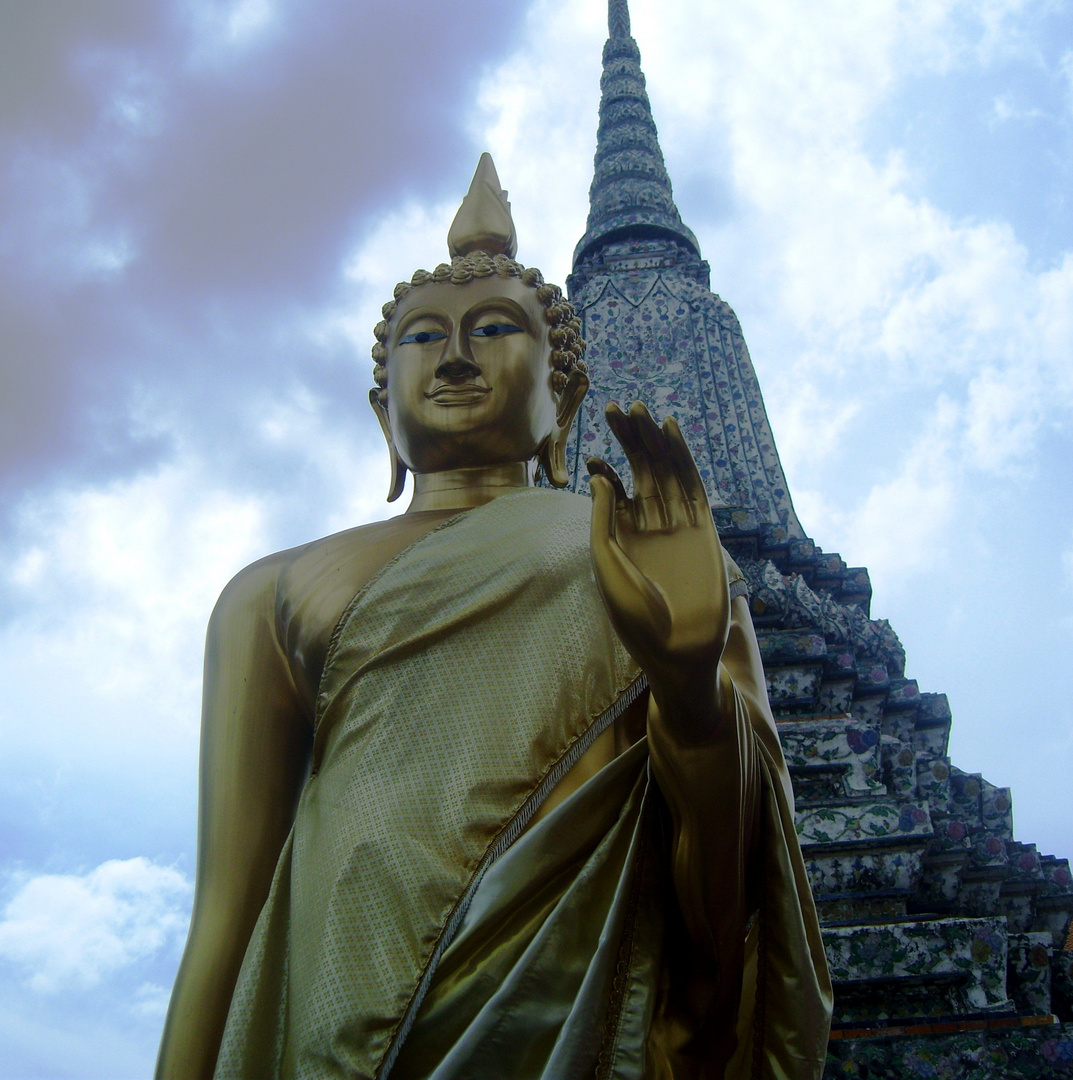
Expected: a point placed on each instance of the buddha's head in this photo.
(478, 363)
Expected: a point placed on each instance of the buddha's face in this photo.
(469, 375)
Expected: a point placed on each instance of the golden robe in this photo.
(413, 930)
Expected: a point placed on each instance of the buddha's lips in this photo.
(466, 394)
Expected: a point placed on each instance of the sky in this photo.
(204, 205)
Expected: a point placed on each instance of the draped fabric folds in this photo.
(414, 928)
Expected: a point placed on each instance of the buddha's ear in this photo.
(552, 452)
(398, 468)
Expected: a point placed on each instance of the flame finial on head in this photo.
(483, 221)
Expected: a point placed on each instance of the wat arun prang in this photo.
(945, 936)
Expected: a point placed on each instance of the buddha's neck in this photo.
(461, 489)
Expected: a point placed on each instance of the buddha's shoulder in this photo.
(341, 560)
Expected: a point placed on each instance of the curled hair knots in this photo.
(564, 335)
(508, 267)
(568, 346)
(548, 294)
(566, 360)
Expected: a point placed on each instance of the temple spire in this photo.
(631, 191)
(618, 19)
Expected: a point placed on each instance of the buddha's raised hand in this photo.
(660, 568)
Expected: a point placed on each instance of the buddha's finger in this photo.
(647, 504)
(635, 605)
(599, 467)
(685, 467)
(663, 471)
(603, 511)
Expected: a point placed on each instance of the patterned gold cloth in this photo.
(408, 929)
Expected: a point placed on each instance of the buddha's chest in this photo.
(319, 585)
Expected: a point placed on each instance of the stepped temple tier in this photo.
(945, 936)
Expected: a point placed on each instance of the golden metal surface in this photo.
(469, 412)
(483, 221)
(661, 571)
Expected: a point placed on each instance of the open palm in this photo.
(657, 556)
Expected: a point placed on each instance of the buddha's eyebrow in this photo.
(420, 313)
(502, 306)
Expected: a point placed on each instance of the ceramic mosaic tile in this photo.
(971, 951)
(1010, 1054)
(851, 824)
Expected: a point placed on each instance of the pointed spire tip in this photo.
(618, 19)
(631, 191)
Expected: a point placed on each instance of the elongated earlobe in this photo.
(398, 474)
(553, 462)
(552, 452)
(398, 467)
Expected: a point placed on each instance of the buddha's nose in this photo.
(457, 369)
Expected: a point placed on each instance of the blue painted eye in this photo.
(422, 337)
(494, 329)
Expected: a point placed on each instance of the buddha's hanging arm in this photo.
(255, 744)
(663, 577)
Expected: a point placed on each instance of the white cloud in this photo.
(410, 237)
(224, 27)
(1066, 67)
(151, 1001)
(894, 531)
(352, 471)
(246, 18)
(142, 561)
(812, 424)
(107, 599)
(108, 587)
(66, 931)
(899, 527)
(540, 128)
(57, 232)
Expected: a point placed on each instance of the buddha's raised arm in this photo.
(255, 743)
(663, 576)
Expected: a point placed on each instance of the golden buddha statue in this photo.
(492, 789)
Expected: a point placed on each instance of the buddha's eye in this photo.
(495, 329)
(422, 337)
